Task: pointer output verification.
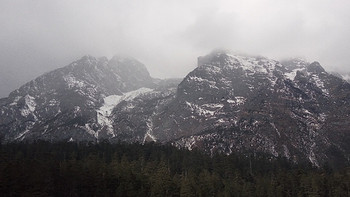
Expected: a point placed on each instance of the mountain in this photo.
(346, 76)
(343, 75)
(228, 103)
(293, 108)
(64, 103)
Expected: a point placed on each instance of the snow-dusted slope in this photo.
(233, 102)
(110, 102)
(62, 104)
(293, 66)
(228, 103)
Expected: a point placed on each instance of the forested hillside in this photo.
(85, 169)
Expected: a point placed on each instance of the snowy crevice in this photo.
(149, 130)
(29, 106)
(110, 102)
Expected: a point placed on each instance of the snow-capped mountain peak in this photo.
(228, 103)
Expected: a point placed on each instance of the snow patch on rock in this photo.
(21, 134)
(15, 100)
(238, 100)
(148, 134)
(110, 102)
(72, 82)
(319, 83)
(199, 110)
(255, 64)
(29, 105)
(291, 75)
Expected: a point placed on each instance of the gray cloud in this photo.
(38, 36)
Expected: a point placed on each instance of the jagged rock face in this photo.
(132, 73)
(62, 104)
(213, 94)
(135, 120)
(295, 110)
(228, 103)
(345, 76)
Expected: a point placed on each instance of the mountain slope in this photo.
(62, 104)
(228, 103)
(295, 110)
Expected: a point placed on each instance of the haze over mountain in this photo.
(37, 37)
(228, 103)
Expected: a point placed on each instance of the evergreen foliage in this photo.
(85, 169)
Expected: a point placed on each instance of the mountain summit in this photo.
(228, 103)
(62, 104)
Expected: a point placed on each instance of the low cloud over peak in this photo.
(167, 36)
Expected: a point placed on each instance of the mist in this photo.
(167, 36)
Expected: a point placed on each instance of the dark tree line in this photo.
(85, 169)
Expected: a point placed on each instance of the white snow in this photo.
(21, 134)
(109, 103)
(238, 100)
(149, 131)
(254, 64)
(28, 126)
(190, 142)
(273, 151)
(73, 82)
(291, 75)
(322, 117)
(286, 151)
(212, 69)
(112, 101)
(298, 65)
(76, 109)
(90, 130)
(53, 102)
(213, 105)
(346, 77)
(319, 83)
(199, 110)
(29, 105)
(212, 84)
(197, 79)
(312, 156)
(315, 78)
(231, 101)
(221, 120)
(274, 127)
(15, 100)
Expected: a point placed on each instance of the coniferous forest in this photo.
(104, 169)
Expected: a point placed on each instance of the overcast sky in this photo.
(167, 35)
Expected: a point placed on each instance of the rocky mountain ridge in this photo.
(228, 103)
